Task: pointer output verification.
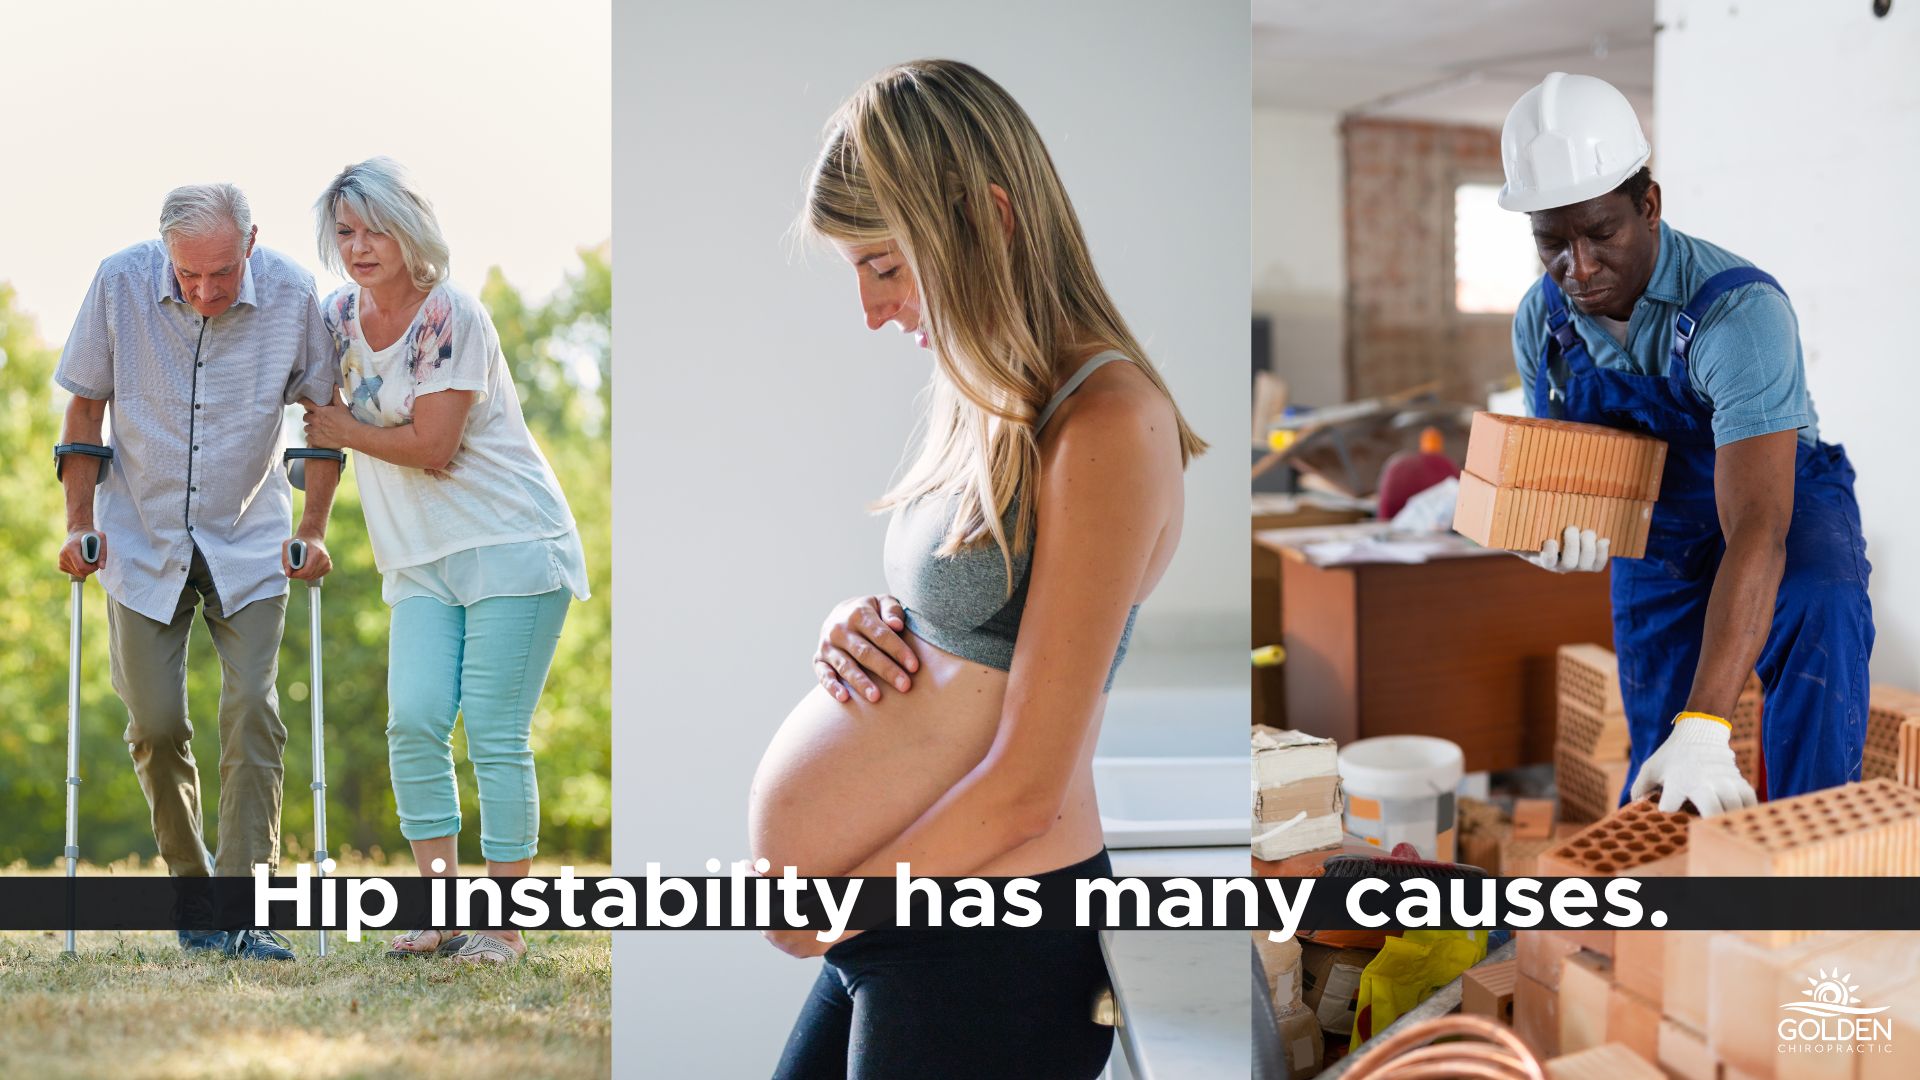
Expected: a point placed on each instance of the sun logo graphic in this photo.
(1832, 994)
(1832, 1019)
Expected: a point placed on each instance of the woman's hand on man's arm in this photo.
(429, 442)
(859, 641)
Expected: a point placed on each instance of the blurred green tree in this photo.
(560, 354)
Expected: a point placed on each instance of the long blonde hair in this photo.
(909, 158)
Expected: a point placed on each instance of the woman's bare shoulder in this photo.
(1117, 408)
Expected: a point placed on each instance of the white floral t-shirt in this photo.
(498, 490)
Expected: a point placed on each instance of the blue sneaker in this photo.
(259, 945)
(204, 940)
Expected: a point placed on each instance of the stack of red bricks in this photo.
(1705, 1005)
(1893, 736)
(1591, 742)
(1576, 990)
(1590, 738)
(1527, 479)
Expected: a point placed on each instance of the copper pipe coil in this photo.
(1497, 1053)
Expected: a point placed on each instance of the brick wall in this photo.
(1402, 327)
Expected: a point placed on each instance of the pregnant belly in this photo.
(839, 780)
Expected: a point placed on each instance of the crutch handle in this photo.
(296, 553)
(89, 552)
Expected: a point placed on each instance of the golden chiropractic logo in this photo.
(1832, 1021)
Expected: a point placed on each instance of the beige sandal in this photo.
(485, 948)
(446, 943)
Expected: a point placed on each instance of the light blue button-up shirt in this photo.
(194, 407)
(1745, 360)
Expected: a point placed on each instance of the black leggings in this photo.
(926, 1004)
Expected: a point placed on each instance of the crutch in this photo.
(90, 543)
(90, 553)
(296, 459)
(296, 558)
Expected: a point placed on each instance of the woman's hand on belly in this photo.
(841, 778)
(859, 642)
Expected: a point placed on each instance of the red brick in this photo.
(1487, 991)
(1561, 456)
(1523, 519)
(1637, 840)
(1536, 1016)
(1869, 829)
(1589, 789)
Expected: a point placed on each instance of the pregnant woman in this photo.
(476, 545)
(1041, 507)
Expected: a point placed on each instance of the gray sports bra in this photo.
(960, 602)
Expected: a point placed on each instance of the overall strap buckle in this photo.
(1687, 321)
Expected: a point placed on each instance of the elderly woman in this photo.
(470, 531)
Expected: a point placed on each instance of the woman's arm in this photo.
(439, 420)
(1108, 486)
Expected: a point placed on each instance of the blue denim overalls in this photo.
(1814, 663)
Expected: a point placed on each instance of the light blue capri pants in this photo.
(486, 663)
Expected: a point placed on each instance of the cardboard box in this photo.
(1301, 1042)
(1280, 960)
(1330, 984)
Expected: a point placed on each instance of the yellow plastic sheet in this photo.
(1407, 971)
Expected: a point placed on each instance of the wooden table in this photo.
(1461, 646)
(1281, 512)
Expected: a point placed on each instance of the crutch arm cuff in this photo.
(296, 453)
(92, 450)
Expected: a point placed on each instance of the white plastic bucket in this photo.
(1400, 789)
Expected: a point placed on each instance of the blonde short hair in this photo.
(383, 195)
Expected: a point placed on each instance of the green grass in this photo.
(133, 1006)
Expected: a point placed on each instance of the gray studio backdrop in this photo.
(757, 415)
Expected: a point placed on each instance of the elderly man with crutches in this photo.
(195, 343)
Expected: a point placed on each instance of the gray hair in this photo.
(204, 209)
(381, 193)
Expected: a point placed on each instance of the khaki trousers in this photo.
(150, 675)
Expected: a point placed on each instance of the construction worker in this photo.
(1755, 560)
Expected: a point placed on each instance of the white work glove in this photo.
(1580, 551)
(1695, 765)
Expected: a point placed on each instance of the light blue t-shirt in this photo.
(1745, 361)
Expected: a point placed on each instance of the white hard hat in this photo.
(1570, 139)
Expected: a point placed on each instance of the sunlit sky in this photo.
(502, 111)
